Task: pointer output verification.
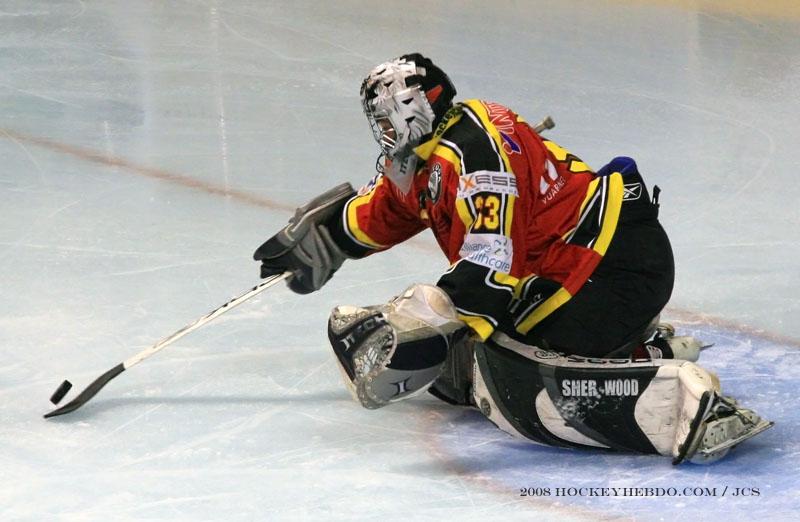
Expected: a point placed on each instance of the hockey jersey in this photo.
(522, 221)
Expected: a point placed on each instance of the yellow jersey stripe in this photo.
(478, 108)
(613, 206)
(448, 154)
(591, 189)
(559, 152)
(425, 150)
(509, 214)
(464, 214)
(352, 217)
(578, 167)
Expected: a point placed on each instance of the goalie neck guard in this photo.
(402, 100)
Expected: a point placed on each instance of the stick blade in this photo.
(86, 395)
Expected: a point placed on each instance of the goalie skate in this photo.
(722, 426)
(665, 344)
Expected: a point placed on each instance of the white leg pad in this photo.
(666, 409)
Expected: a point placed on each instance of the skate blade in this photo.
(761, 426)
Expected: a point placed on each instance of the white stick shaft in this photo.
(236, 301)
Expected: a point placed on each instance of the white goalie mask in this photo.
(400, 111)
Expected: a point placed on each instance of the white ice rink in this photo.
(147, 148)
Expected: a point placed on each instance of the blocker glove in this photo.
(304, 247)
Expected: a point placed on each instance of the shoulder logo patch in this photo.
(632, 191)
(435, 183)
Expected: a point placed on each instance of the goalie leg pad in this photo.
(662, 406)
(543, 397)
(454, 385)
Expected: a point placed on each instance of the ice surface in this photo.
(147, 148)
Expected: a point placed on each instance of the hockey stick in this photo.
(104, 379)
(545, 124)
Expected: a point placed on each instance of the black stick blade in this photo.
(88, 393)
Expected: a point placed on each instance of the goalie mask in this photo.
(403, 99)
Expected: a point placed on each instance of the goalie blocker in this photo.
(669, 407)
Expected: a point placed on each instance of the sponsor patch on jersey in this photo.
(435, 183)
(493, 251)
(487, 181)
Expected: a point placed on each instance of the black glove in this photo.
(304, 246)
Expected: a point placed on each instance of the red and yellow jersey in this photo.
(522, 221)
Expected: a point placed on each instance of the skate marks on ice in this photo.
(757, 479)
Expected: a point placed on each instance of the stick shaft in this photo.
(233, 303)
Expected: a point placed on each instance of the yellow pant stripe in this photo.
(544, 309)
(479, 325)
(504, 279)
